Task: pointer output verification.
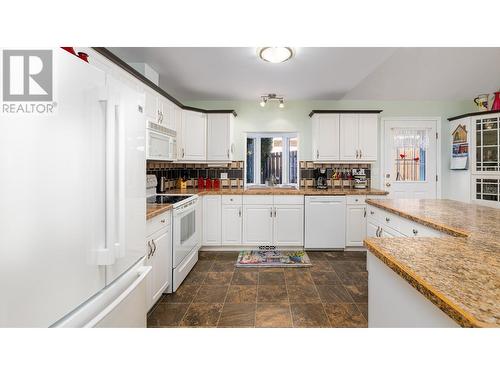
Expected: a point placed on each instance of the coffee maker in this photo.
(320, 176)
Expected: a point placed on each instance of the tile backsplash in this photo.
(172, 172)
(307, 171)
(235, 172)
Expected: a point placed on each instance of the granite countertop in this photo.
(155, 209)
(279, 191)
(460, 273)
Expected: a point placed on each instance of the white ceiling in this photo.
(230, 73)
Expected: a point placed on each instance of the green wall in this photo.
(295, 117)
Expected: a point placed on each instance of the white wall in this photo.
(295, 117)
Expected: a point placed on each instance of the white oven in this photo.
(161, 142)
(185, 230)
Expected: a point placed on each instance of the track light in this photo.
(269, 97)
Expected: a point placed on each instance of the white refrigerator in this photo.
(72, 204)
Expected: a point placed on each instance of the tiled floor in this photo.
(331, 293)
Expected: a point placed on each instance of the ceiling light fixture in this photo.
(272, 97)
(275, 54)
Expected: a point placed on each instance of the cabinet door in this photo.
(258, 225)
(349, 136)
(218, 137)
(194, 128)
(177, 126)
(151, 105)
(326, 137)
(232, 218)
(372, 228)
(212, 220)
(148, 261)
(289, 225)
(161, 262)
(368, 136)
(355, 225)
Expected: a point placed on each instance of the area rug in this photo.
(273, 258)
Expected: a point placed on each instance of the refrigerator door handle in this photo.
(119, 193)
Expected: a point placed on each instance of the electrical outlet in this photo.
(223, 176)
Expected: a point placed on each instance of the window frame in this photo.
(257, 136)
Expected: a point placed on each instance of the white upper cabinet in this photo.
(344, 137)
(159, 109)
(326, 137)
(368, 136)
(358, 137)
(192, 145)
(151, 105)
(349, 136)
(220, 145)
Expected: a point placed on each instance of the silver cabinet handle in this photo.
(239, 212)
(387, 219)
(275, 212)
(380, 233)
(357, 154)
(150, 249)
(415, 232)
(388, 184)
(228, 153)
(183, 152)
(271, 212)
(317, 154)
(364, 213)
(162, 221)
(154, 250)
(372, 212)
(376, 233)
(360, 154)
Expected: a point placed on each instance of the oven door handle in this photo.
(191, 206)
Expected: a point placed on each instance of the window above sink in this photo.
(272, 160)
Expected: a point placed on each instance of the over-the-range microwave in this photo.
(161, 142)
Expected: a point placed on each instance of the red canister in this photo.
(201, 183)
(216, 184)
(208, 183)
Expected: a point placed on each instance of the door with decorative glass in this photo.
(410, 158)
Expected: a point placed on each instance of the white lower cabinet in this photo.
(355, 224)
(159, 257)
(288, 225)
(211, 220)
(381, 223)
(258, 224)
(232, 220)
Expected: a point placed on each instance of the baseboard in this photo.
(240, 248)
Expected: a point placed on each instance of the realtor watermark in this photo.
(28, 82)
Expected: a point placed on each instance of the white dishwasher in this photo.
(325, 222)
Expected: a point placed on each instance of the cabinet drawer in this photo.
(232, 199)
(257, 199)
(355, 199)
(289, 199)
(374, 213)
(157, 223)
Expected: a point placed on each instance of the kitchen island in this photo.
(449, 279)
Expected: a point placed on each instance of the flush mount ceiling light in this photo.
(270, 97)
(275, 54)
